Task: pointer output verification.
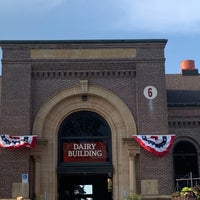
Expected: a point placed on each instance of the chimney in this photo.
(188, 68)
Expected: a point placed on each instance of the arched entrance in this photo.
(84, 157)
(50, 117)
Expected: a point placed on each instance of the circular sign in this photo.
(150, 92)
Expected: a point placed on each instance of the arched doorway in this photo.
(48, 122)
(84, 157)
(185, 163)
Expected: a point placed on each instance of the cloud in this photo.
(13, 7)
(162, 15)
(98, 17)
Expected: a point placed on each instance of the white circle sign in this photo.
(150, 92)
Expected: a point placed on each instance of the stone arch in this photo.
(99, 100)
(187, 139)
(99, 93)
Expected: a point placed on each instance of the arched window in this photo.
(185, 163)
(84, 136)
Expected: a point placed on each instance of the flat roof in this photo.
(83, 41)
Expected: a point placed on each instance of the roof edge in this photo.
(83, 41)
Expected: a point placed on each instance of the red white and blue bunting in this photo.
(7, 141)
(159, 145)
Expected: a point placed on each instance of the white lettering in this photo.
(75, 146)
(93, 146)
(85, 153)
(84, 146)
(69, 153)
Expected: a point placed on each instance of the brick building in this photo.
(85, 100)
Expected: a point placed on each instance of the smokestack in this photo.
(188, 68)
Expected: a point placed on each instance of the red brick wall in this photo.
(27, 84)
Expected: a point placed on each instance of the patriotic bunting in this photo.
(7, 141)
(159, 145)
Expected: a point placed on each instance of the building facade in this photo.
(85, 100)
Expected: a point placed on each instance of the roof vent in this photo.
(188, 68)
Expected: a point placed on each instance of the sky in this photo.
(178, 21)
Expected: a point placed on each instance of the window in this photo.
(185, 162)
(84, 136)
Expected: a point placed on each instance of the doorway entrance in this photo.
(85, 187)
(84, 157)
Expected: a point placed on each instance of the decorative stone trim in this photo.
(133, 150)
(40, 144)
(183, 124)
(132, 147)
(82, 74)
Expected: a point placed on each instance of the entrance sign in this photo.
(84, 151)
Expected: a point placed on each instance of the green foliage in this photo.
(133, 196)
(185, 189)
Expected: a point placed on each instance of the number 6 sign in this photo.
(150, 92)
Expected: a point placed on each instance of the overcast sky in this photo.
(175, 20)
